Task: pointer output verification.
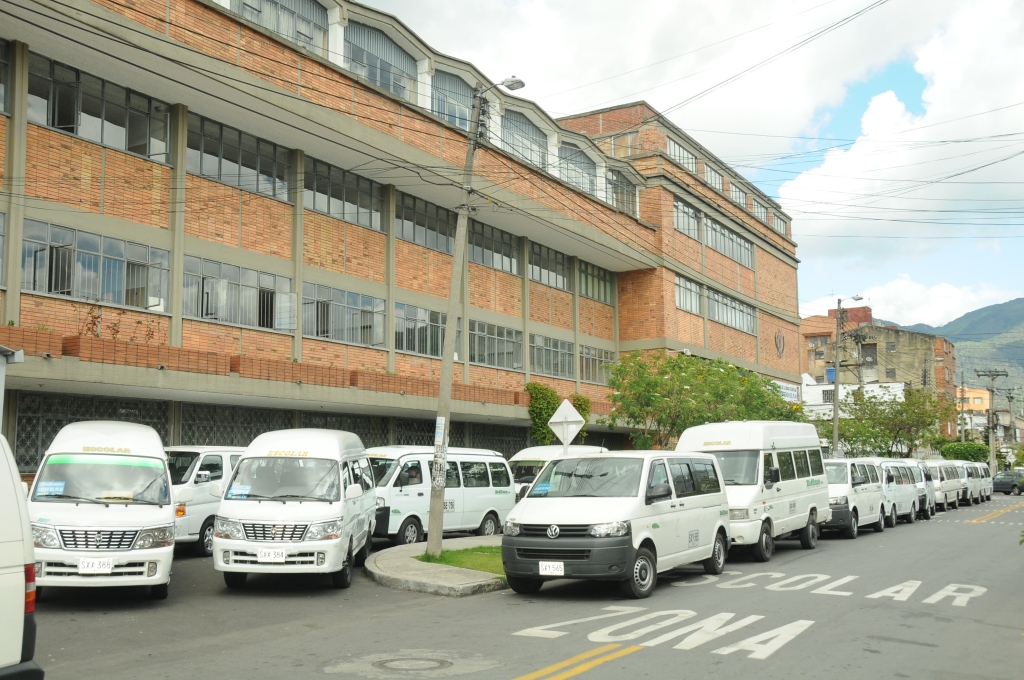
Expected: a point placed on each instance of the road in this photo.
(938, 599)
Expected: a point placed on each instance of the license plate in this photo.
(270, 555)
(103, 565)
(552, 569)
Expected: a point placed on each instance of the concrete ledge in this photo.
(398, 568)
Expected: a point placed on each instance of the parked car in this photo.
(1009, 482)
(195, 467)
(948, 485)
(985, 475)
(968, 471)
(899, 491)
(855, 496)
(925, 488)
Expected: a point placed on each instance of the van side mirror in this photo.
(927, 476)
(775, 475)
(858, 480)
(403, 478)
(202, 477)
(353, 492)
(658, 491)
(889, 479)
(184, 495)
(216, 489)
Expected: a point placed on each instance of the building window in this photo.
(577, 168)
(738, 195)
(421, 331)
(828, 396)
(687, 219)
(595, 364)
(977, 400)
(343, 195)
(301, 21)
(890, 374)
(624, 145)
(728, 242)
(75, 102)
(424, 223)
(3, 249)
(713, 177)
(88, 266)
(890, 347)
(621, 192)
(223, 153)
(451, 98)
(495, 346)
(224, 292)
(761, 212)
(550, 267)
(688, 294)
(493, 248)
(596, 283)
(731, 312)
(779, 225)
(343, 316)
(817, 341)
(5, 74)
(524, 140)
(371, 54)
(682, 156)
(551, 357)
(819, 354)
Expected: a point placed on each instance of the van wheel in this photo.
(204, 546)
(941, 506)
(39, 593)
(1015, 491)
(930, 513)
(809, 534)
(879, 525)
(158, 592)
(890, 521)
(912, 515)
(765, 545)
(410, 532)
(975, 500)
(643, 576)
(524, 586)
(234, 579)
(364, 552)
(715, 564)
(343, 577)
(853, 529)
(488, 527)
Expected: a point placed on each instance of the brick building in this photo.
(223, 217)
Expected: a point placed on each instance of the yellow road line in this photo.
(568, 662)
(993, 515)
(584, 667)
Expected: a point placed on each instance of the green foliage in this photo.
(483, 558)
(582, 405)
(543, 404)
(972, 451)
(660, 395)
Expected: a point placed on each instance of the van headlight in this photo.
(611, 529)
(45, 537)
(228, 528)
(380, 502)
(739, 514)
(155, 537)
(324, 531)
(511, 528)
(839, 500)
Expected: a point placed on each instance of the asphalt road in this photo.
(938, 599)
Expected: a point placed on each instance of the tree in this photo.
(972, 451)
(661, 394)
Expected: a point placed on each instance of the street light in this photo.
(835, 374)
(435, 526)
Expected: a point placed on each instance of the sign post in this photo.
(566, 423)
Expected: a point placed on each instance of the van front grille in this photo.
(243, 557)
(274, 532)
(65, 569)
(564, 530)
(563, 555)
(98, 539)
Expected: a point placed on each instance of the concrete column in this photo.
(615, 315)
(390, 196)
(524, 261)
(14, 179)
(10, 417)
(296, 183)
(576, 319)
(176, 218)
(337, 19)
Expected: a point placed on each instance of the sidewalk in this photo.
(398, 568)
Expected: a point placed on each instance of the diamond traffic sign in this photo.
(566, 423)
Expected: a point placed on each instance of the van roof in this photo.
(639, 454)
(553, 451)
(205, 449)
(747, 435)
(305, 442)
(108, 437)
(396, 451)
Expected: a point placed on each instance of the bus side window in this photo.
(873, 474)
(786, 465)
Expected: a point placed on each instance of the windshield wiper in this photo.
(71, 498)
(295, 495)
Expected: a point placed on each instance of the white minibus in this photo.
(774, 476)
(985, 476)
(195, 467)
(899, 491)
(477, 495)
(102, 509)
(971, 494)
(622, 516)
(948, 485)
(854, 495)
(527, 464)
(925, 488)
(299, 501)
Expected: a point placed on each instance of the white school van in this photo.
(623, 516)
(477, 496)
(925, 488)
(299, 501)
(948, 485)
(971, 493)
(195, 467)
(528, 463)
(985, 477)
(774, 476)
(899, 491)
(854, 495)
(101, 508)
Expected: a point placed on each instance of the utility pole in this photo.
(963, 397)
(835, 378)
(992, 375)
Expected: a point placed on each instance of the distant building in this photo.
(818, 398)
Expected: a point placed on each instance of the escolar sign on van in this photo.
(289, 454)
(105, 449)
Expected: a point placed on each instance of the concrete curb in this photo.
(398, 568)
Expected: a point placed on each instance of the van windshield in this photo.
(837, 473)
(180, 464)
(526, 470)
(99, 478)
(310, 479)
(581, 477)
(739, 468)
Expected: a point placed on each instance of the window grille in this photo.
(496, 346)
(682, 156)
(761, 212)
(424, 223)
(223, 153)
(524, 140)
(342, 194)
(728, 242)
(713, 177)
(595, 364)
(550, 267)
(232, 294)
(621, 192)
(738, 195)
(577, 168)
(596, 283)
(779, 225)
(301, 21)
(688, 295)
(371, 54)
(552, 357)
(493, 248)
(731, 312)
(625, 145)
(507, 440)
(219, 425)
(372, 431)
(451, 98)
(421, 331)
(334, 314)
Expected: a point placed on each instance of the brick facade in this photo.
(495, 290)
(422, 269)
(597, 319)
(550, 305)
(76, 317)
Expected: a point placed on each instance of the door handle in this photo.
(420, 493)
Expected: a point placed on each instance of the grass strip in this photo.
(485, 558)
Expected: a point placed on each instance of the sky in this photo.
(886, 128)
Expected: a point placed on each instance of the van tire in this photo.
(343, 577)
(159, 592)
(942, 505)
(201, 549)
(410, 532)
(524, 586)
(930, 513)
(643, 576)
(853, 529)
(488, 527)
(765, 546)
(955, 503)
(364, 552)
(715, 564)
(809, 534)
(879, 525)
(234, 579)
(39, 593)
(1015, 491)
(890, 520)
(911, 516)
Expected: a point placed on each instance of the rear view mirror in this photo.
(927, 476)
(858, 480)
(658, 491)
(216, 489)
(184, 495)
(775, 475)
(202, 477)
(353, 491)
(889, 479)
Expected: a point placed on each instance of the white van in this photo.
(925, 488)
(775, 478)
(477, 495)
(948, 485)
(17, 576)
(899, 490)
(854, 495)
(527, 464)
(102, 510)
(195, 467)
(299, 501)
(971, 493)
(985, 477)
(624, 516)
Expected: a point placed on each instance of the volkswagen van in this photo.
(102, 509)
(623, 516)
(855, 496)
(195, 467)
(527, 464)
(775, 479)
(299, 501)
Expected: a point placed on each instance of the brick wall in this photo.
(289, 371)
(213, 211)
(642, 296)
(732, 342)
(325, 353)
(74, 317)
(550, 305)
(266, 225)
(495, 290)
(149, 13)
(136, 189)
(338, 246)
(769, 328)
(422, 269)
(205, 336)
(686, 327)
(107, 351)
(776, 282)
(425, 368)
(269, 60)
(606, 122)
(34, 342)
(597, 319)
(204, 30)
(565, 388)
(729, 273)
(595, 392)
(63, 169)
(485, 376)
